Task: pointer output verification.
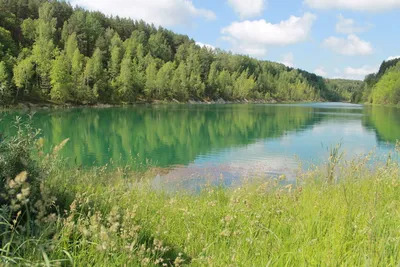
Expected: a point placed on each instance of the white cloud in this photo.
(288, 60)
(352, 73)
(349, 26)
(350, 47)
(360, 72)
(206, 45)
(248, 8)
(321, 72)
(252, 37)
(159, 12)
(392, 57)
(358, 5)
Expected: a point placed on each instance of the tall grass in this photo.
(346, 217)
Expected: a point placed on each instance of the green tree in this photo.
(94, 77)
(43, 47)
(180, 83)
(196, 85)
(126, 79)
(117, 54)
(28, 28)
(151, 81)
(77, 73)
(71, 46)
(96, 45)
(61, 79)
(7, 44)
(243, 85)
(387, 89)
(159, 47)
(23, 73)
(164, 78)
(213, 76)
(224, 84)
(5, 86)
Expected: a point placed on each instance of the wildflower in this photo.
(21, 178)
(114, 227)
(12, 184)
(212, 203)
(145, 261)
(225, 233)
(51, 218)
(20, 197)
(158, 261)
(289, 187)
(40, 143)
(25, 191)
(228, 218)
(15, 207)
(60, 146)
(85, 232)
(179, 260)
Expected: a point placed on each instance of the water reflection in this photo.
(234, 140)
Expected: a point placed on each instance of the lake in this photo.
(198, 141)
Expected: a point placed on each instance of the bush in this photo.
(26, 205)
(16, 157)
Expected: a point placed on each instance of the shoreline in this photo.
(49, 105)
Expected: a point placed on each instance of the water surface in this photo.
(198, 141)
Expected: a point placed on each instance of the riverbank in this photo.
(54, 105)
(341, 213)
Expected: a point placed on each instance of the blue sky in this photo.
(334, 38)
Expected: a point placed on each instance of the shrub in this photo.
(16, 157)
(25, 203)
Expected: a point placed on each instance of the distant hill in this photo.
(346, 90)
(51, 51)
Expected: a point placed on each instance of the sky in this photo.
(332, 38)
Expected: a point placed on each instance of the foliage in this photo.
(345, 90)
(61, 80)
(25, 204)
(387, 89)
(16, 152)
(111, 218)
(5, 83)
(383, 87)
(118, 60)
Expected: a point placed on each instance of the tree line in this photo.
(51, 51)
(383, 87)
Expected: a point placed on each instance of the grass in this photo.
(342, 214)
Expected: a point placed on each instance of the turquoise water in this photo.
(195, 141)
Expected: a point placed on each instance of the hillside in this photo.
(384, 87)
(50, 51)
(345, 90)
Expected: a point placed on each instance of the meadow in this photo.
(342, 213)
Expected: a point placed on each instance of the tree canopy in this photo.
(52, 51)
(383, 87)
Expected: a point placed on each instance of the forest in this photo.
(53, 52)
(383, 87)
